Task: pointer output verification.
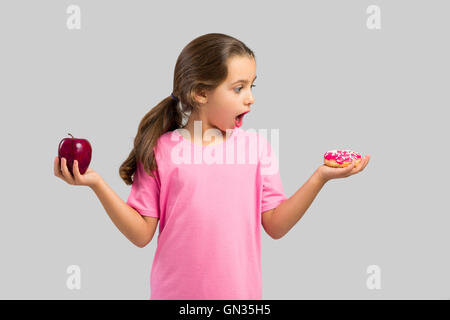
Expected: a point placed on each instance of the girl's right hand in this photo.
(90, 178)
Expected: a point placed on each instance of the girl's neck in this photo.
(190, 126)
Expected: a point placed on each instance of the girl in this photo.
(210, 214)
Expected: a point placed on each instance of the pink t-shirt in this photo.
(209, 201)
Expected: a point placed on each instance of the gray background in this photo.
(324, 80)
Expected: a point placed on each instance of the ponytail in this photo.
(162, 118)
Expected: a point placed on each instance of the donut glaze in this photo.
(341, 158)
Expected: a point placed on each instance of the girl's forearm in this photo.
(287, 214)
(126, 219)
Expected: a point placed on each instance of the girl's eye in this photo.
(242, 87)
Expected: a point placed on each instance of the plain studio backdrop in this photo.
(325, 81)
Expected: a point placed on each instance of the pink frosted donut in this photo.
(341, 158)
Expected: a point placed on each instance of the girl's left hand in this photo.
(327, 173)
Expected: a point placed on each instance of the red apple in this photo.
(75, 149)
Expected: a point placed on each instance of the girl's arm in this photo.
(139, 230)
(132, 225)
(286, 215)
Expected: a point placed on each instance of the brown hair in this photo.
(201, 65)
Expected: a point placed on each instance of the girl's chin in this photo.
(223, 131)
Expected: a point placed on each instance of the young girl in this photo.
(210, 209)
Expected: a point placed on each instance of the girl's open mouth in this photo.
(238, 119)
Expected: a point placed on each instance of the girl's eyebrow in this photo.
(243, 81)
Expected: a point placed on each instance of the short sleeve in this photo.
(272, 187)
(144, 194)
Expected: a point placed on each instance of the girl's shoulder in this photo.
(165, 141)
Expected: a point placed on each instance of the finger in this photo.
(76, 171)
(351, 166)
(360, 164)
(56, 168)
(67, 175)
(351, 169)
(367, 160)
(364, 163)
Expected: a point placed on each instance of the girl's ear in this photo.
(201, 96)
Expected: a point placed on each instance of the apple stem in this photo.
(71, 135)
